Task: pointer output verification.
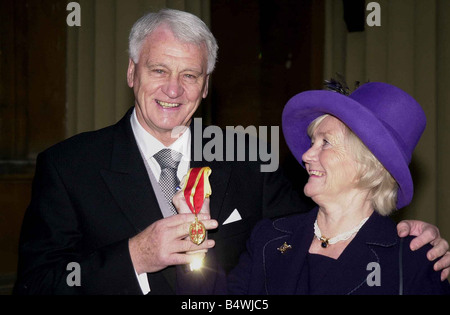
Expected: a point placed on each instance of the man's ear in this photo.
(130, 72)
(205, 91)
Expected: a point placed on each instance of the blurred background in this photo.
(58, 80)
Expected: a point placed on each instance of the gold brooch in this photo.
(284, 247)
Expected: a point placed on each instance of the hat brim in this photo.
(303, 108)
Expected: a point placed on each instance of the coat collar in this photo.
(282, 271)
(377, 230)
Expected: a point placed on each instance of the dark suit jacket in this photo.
(91, 193)
(263, 269)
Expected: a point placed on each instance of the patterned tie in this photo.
(168, 160)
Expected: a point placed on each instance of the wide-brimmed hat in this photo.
(386, 119)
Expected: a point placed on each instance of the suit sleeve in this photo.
(51, 259)
(419, 276)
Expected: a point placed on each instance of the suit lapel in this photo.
(128, 180)
(130, 186)
(283, 271)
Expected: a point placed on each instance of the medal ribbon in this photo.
(197, 188)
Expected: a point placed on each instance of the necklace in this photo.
(341, 237)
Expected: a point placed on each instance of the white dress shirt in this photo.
(149, 146)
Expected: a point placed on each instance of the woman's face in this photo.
(331, 167)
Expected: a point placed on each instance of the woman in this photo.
(356, 150)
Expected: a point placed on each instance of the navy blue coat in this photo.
(263, 269)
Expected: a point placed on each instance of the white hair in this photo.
(186, 27)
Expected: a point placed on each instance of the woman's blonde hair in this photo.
(372, 175)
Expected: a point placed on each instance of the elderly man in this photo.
(101, 220)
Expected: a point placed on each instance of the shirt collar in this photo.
(149, 145)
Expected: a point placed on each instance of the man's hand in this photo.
(179, 201)
(426, 233)
(164, 243)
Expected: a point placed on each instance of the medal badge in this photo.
(195, 189)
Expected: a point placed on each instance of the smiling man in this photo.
(169, 81)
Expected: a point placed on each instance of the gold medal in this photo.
(196, 188)
(197, 232)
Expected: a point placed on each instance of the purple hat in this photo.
(386, 119)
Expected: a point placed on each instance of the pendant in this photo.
(324, 242)
(196, 189)
(197, 232)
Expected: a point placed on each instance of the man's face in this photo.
(169, 82)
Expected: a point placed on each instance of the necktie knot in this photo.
(168, 158)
